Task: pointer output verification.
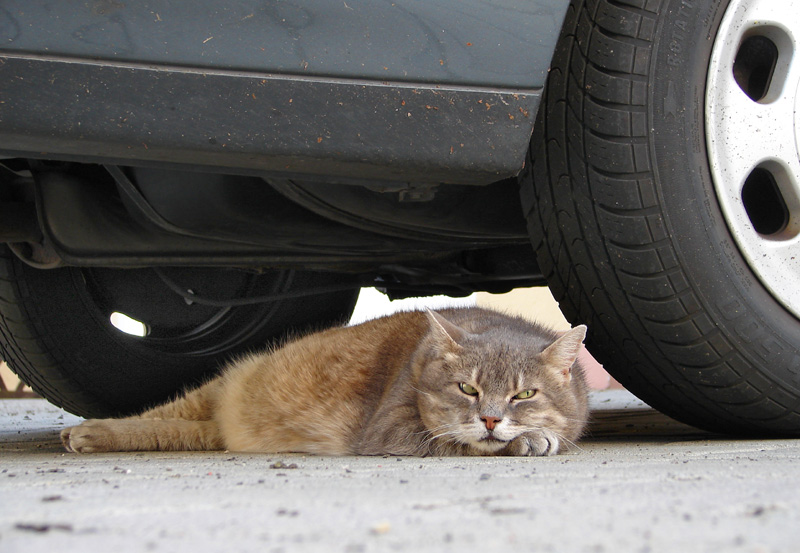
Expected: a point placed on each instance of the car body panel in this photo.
(411, 91)
(496, 44)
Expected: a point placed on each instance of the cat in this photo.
(462, 381)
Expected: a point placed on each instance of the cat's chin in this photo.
(489, 444)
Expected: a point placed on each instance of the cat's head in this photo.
(504, 389)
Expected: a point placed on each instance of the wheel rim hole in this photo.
(764, 203)
(129, 325)
(754, 66)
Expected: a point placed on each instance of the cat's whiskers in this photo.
(441, 431)
(421, 392)
(448, 433)
(444, 437)
(430, 434)
(444, 430)
(434, 429)
(437, 428)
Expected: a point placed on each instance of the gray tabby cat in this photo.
(460, 382)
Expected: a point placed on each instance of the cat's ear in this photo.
(563, 353)
(447, 334)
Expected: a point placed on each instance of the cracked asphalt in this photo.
(640, 483)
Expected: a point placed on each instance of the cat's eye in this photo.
(467, 389)
(527, 394)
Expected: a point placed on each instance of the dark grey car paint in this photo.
(406, 90)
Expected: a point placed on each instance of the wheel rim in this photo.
(189, 330)
(753, 135)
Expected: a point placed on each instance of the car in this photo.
(227, 174)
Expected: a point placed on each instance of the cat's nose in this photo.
(490, 422)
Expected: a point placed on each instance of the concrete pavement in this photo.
(640, 483)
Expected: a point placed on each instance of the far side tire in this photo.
(629, 221)
(55, 331)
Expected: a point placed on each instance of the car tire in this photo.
(625, 213)
(56, 334)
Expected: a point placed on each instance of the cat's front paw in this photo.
(91, 436)
(538, 444)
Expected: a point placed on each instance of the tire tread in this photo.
(591, 252)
